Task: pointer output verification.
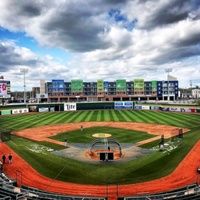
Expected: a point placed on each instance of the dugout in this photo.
(95, 106)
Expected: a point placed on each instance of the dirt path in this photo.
(183, 175)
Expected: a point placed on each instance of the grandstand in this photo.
(186, 193)
(9, 191)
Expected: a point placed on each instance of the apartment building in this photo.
(118, 90)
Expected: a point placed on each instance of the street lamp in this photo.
(167, 70)
(24, 71)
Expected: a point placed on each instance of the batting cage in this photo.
(5, 135)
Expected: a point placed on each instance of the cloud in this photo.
(110, 39)
(77, 26)
(152, 14)
(12, 55)
(13, 58)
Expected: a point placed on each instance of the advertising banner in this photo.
(123, 105)
(145, 107)
(52, 109)
(43, 109)
(178, 109)
(154, 107)
(4, 89)
(5, 112)
(18, 111)
(69, 106)
(182, 110)
(138, 107)
(33, 108)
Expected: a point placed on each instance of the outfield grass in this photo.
(150, 167)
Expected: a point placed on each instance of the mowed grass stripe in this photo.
(102, 115)
(106, 116)
(7, 118)
(47, 118)
(187, 120)
(176, 121)
(22, 123)
(81, 117)
(169, 119)
(89, 116)
(161, 119)
(152, 118)
(99, 115)
(5, 123)
(174, 118)
(130, 115)
(138, 116)
(59, 118)
(124, 115)
(44, 116)
(94, 116)
(120, 116)
(113, 116)
(73, 117)
(147, 116)
(29, 120)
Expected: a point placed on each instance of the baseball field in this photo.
(39, 153)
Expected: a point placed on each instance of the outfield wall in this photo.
(117, 105)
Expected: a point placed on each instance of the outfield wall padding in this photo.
(57, 107)
(95, 106)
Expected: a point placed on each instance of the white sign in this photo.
(18, 111)
(41, 96)
(5, 96)
(69, 106)
(43, 109)
(145, 107)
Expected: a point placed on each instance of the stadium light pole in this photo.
(167, 70)
(24, 71)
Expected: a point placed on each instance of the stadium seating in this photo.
(186, 193)
(9, 191)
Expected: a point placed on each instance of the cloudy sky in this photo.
(101, 39)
